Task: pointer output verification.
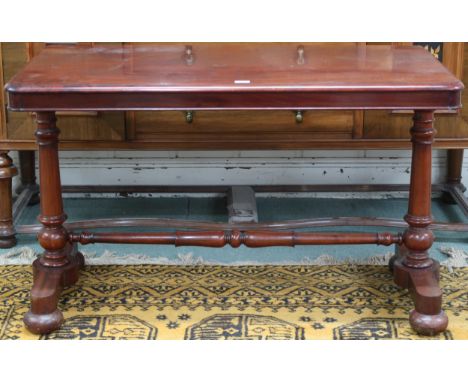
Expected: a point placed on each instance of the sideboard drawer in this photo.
(240, 126)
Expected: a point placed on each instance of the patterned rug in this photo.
(245, 302)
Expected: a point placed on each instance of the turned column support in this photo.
(7, 172)
(418, 238)
(59, 264)
(53, 237)
(413, 268)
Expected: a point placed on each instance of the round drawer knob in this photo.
(299, 116)
(189, 57)
(189, 116)
(300, 55)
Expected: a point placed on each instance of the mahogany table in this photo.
(270, 77)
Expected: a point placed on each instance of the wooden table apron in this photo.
(172, 78)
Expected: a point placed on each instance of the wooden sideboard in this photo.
(188, 130)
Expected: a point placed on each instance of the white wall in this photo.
(242, 167)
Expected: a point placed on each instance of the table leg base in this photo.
(44, 316)
(423, 284)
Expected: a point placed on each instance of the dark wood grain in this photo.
(233, 77)
(268, 67)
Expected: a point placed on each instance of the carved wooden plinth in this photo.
(427, 318)
(44, 315)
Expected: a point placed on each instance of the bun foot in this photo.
(43, 323)
(427, 318)
(428, 324)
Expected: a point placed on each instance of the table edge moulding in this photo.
(165, 78)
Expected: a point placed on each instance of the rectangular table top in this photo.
(233, 76)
